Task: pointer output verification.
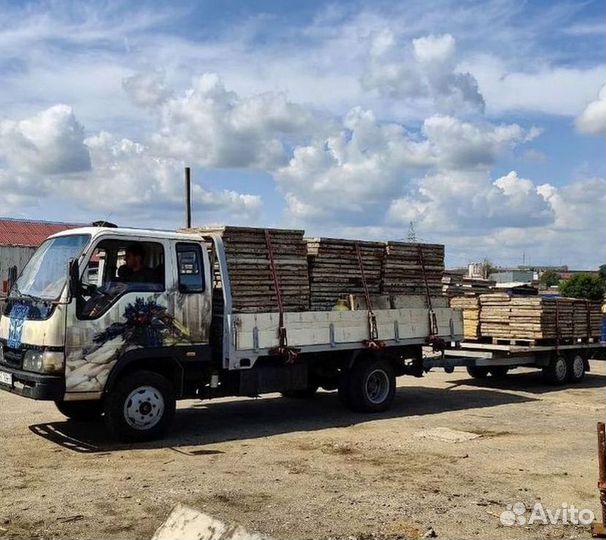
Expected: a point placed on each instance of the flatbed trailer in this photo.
(560, 363)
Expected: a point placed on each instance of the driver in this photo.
(135, 271)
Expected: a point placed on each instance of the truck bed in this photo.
(255, 334)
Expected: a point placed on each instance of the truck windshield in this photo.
(45, 274)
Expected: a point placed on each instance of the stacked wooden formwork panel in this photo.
(250, 270)
(537, 317)
(471, 314)
(409, 267)
(335, 273)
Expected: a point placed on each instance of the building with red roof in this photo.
(19, 238)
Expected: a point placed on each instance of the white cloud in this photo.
(434, 48)
(47, 156)
(540, 88)
(354, 175)
(593, 119)
(146, 89)
(425, 74)
(215, 127)
(49, 143)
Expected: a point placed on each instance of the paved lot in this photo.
(450, 455)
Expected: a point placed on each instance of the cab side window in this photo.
(117, 267)
(190, 268)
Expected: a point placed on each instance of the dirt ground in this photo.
(311, 469)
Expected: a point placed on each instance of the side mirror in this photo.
(12, 277)
(74, 278)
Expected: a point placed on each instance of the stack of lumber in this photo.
(494, 315)
(537, 317)
(403, 270)
(334, 272)
(248, 263)
(458, 286)
(595, 317)
(471, 314)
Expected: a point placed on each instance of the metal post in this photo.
(188, 197)
(599, 528)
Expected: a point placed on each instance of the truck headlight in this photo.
(43, 361)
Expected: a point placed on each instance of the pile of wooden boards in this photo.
(334, 270)
(501, 316)
(471, 314)
(248, 263)
(403, 268)
(458, 286)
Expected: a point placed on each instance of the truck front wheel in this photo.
(140, 407)
(80, 410)
(369, 386)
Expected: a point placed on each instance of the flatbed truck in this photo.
(75, 332)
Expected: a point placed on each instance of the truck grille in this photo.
(13, 357)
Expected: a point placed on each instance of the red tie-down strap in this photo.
(282, 349)
(433, 320)
(373, 341)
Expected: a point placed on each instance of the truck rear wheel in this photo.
(499, 371)
(140, 407)
(80, 410)
(556, 372)
(477, 372)
(576, 368)
(369, 386)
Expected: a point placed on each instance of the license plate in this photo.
(6, 378)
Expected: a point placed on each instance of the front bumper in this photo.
(34, 385)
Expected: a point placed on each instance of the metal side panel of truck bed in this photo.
(254, 334)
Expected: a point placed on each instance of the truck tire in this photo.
(84, 411)
(556, 372)
(140, 407)
(499, 371)
(304, 393)
(477, 372)
(576, 368)
(369, 386)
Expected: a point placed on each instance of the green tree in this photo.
(488, 268)
(583, 286)
(550, 278)
(602, 273)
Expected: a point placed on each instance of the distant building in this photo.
(19, 238)
(476, 270)
(513, 278)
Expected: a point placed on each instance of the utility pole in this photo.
(187, 197)
(412, 235)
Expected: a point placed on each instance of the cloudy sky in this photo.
(481, 122)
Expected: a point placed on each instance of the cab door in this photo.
(192, 294)
(114, 314)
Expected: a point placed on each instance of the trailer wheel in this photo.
(499, 371)
(477, 372)
(556, 372)
(141, 407)
(369, 386)
(304, 393)
(85, 411)
(576, 368)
